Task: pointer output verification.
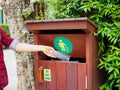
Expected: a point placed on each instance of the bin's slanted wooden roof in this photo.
(82, 23)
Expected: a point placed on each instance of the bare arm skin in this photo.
(23, 47)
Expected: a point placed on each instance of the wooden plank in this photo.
(36, 56)
(82, 85)
(61, 75)
(51, 85)
(72, 76)
(42, 86)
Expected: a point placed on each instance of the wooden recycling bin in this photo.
(53, 74)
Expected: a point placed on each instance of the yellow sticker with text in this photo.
(47, 75)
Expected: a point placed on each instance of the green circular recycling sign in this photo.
(63, 44)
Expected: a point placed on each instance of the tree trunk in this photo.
(12, 10)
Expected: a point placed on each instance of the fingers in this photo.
(48, 53)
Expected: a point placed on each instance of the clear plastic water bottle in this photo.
(60, 55)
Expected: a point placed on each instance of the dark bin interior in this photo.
(77, 37)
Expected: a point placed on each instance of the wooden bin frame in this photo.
(93, 77)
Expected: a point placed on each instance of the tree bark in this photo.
(12, 10)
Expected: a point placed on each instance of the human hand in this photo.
(47, 50)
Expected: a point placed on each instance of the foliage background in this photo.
(6, 28)
(106, 14)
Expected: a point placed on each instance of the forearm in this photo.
(23, 47)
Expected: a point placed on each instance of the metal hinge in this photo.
(86, 82)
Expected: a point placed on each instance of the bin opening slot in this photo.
(82, 60)
(72, 59)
